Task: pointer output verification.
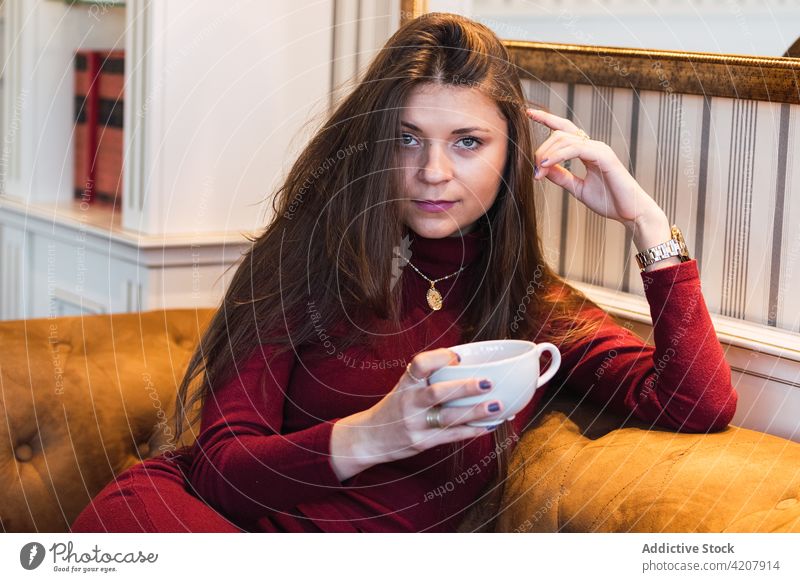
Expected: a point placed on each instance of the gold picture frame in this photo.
(774, 79)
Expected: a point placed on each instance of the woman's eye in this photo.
(471, 140)
(404, 137)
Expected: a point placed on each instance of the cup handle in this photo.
(555, 361)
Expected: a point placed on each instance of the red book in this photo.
(99, 81)
(109, 128)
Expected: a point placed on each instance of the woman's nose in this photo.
(437, 166)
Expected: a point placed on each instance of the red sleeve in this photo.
(682, 383)
(242, 464)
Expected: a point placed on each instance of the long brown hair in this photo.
(337, 220)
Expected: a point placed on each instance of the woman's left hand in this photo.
(608, 188)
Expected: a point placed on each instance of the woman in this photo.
(408, 225)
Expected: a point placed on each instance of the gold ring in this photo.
(583, 135)
(434, 417)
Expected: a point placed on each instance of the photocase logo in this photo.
(402, 255)
(31, 555)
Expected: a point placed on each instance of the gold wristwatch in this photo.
(674, 247)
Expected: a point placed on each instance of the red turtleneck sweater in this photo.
(263, 459)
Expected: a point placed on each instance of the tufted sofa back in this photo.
(84, 398)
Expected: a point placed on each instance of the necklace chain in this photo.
(433, 296)
(432, 281)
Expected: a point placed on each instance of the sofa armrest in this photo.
(577, 469)
(84, 398)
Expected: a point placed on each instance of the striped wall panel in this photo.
(726, 170)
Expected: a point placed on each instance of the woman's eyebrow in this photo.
(455, 131)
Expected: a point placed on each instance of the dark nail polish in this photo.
(535, 170)
(459, 358)
(485, 384)
(544, 161)
(494, 426)
(494, 407)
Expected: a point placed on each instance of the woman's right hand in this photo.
(396, 427)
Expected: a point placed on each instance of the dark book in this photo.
(86, 69)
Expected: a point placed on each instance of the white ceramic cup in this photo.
(511, 365)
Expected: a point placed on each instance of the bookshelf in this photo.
(217, 100)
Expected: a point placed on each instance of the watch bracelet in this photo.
(657, 253)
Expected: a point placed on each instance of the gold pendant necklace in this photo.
(433, 296)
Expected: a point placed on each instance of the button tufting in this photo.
(186, 343)
(62, 346)
(786, 503)
(23, 452)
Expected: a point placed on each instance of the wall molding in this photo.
(96, 231)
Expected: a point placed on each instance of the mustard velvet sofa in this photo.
(84, 398)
